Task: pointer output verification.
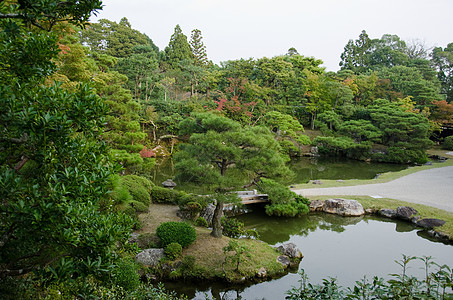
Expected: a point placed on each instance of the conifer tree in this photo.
(178, 49)
(198, 48)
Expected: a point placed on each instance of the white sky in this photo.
(234, 29)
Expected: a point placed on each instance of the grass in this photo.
(208, 251)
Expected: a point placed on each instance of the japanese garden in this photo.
(133, 172)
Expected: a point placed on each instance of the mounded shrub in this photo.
(448, 143)
(138, 187)
(139, 206)
(164, 195)
(201, 222)
(173, 250)
(125, 275)
(176, 232)
(291, 209)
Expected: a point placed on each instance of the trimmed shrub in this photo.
(292, 209)
(139, 206)
(448, 143)
(176, 232)
(139, 187)
(164, 195)
(125, 275)
(201, 222)
(173, 250)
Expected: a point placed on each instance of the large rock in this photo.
(208, 213)
(388, 213)
(284, 260)
(316, 205)
(150, 257)
(343, 207)
(430, 223)
(406, 213)
(262, 273)
(290, 250)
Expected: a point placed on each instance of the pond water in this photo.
(304, 168)
(344, 248)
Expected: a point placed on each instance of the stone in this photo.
(388, 213)
(262, 273)
(316, 182)
(284, 260)
(314, 150)
(133, 238)
(150, 257)
(316, 205)
(208, 213)
(430, 223)
(290, 250)
(405, 213)
(343, 207)
(169, 184)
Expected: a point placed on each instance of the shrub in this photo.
(125, 275)
(173, 250)
(201, 222)
(232, 228)
(277, 192)
(164, 195)
(448, 143)
(139, 206)
(292, 209)
(176, 232)
(139, 187)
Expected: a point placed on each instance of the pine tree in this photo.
(198, 48)
(178, 49)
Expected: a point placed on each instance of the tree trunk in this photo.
(216, 224)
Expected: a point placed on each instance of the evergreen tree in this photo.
(178, 49)
(198, 48)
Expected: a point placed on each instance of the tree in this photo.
(54, 168)
(443, 61)
(198, 48)
(178, 49)
(355, 55)
(226, 156)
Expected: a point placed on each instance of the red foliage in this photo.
(147, 153)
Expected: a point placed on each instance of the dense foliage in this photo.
(436, 285)
(176, 232)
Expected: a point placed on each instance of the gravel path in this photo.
(433, 187)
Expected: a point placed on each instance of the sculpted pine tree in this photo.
(224, 156)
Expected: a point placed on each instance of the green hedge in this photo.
(176, 232)
(448, 143)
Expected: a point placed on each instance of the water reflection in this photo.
(304, 169)
(345, 248)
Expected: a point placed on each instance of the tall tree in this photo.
(178, 49)
(443, 61)
(198, 48)
(54, 168)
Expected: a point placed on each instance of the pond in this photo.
(344, 248)
(304, 168)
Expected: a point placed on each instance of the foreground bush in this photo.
(176, 232)
(435, 285)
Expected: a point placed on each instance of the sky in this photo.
(234, 29)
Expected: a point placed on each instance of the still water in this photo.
(304, 169)
(344, 248)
